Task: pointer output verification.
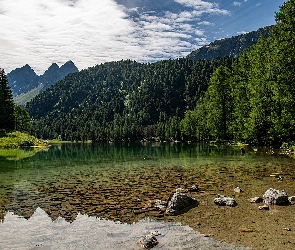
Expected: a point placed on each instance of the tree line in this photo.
(12, 117)
(254, 100)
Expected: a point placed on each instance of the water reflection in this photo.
(120, 182)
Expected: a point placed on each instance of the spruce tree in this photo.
(7, 118)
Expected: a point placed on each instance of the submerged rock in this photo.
(180, 190)
(275, 197)
(222, 200)
(149, 241)
(194, 188)
(256, 200)
(161, 205)
(238, 190)
(291, 198)
(178, 202)
(264, 207)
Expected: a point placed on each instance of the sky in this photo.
(90, 32)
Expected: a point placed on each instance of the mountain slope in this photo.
(22, 80)
(229, 46)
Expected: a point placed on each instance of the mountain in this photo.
(22, 80)
(229, 46)
(25, 83)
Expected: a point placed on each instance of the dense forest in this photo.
(253, 101)
(249, 98)
(123, 101)
(232, 46)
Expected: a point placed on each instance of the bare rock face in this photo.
(178, 202)
(222, 200)
(275, 197)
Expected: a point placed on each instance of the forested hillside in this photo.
(253, 101)
(250, 97)
(122, 100)
(233, 46)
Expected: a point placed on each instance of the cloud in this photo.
(88, 32)
(205, 23)
(237, 3)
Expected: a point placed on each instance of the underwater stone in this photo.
(275, 197)
(149, 241)
(222, 200)
(238, 190)
(161, 205)
(194, 188)
(256, 200)
(178, 202)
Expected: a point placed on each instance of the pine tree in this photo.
(7, 118)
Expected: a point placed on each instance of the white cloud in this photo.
(205, 23)
(39, 32)
(237, 3)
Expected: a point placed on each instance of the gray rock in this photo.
(275, 197)
(178, 202)
(148, 241)
(222, 200)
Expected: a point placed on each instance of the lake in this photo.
(121, 182)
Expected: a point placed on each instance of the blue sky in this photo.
(90, 32)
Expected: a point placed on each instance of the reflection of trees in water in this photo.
(73, 178)
(12, 172)
(133, 151)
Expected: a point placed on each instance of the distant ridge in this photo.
(26, 84)
(229, 46)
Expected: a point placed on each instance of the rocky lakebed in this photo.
(244, 205)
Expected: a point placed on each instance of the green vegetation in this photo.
(7, 120)
(18, 139)
(15, 154)
(23, 98)
(13, 118)
(122, 101)
(233, 46)
(258, 105)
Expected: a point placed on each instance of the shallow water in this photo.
(122, 182)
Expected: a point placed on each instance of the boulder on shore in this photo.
(275, 197)
(178, 202)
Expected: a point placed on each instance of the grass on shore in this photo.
(18, 139)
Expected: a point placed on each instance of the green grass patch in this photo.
(17, 139)
(25, 97)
